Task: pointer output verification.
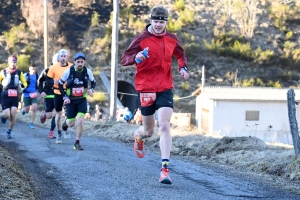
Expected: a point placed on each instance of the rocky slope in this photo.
(75, 32)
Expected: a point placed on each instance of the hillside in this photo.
(264, 53)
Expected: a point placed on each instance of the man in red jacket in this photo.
(152, 53)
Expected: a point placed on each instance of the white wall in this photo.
(229, 118)
(203, 102)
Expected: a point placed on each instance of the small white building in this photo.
(245, 111)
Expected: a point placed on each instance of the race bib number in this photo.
(147, 99)
(33, 95)
(78, 92)
(12, 93)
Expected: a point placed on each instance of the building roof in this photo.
(249, 93)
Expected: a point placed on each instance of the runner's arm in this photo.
(50, 76)
(92, 79)
(1, 76)
(41, 81)
(128, 57)
(62, 81)
(23, 80)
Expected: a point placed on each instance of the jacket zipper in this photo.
(161, 53)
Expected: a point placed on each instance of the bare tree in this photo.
(224, 7)
(245, 16)
(32, 11)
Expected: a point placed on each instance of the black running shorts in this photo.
(8, 102)
(163, 99)
(76, 106)
(58, 102)
(49, 104)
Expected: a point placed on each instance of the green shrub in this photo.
(13, 35)
(96, 71)
(187, 16)
(241, 50)
(179, 5)
(274, 84)
(286, 76)
(248, 82)
(139, 25)
(262, 56)
(216, 31)
(232, 76)
(108, 31)
(81, 3)
(230, 37)
(191, 49)
(296, 55)
(130, 19)
(176, 98)
(289, 45)
(23, 62)
(279, 12)
(100, 43)
(280, 24)
(185, 86)
(288, 35)
(98, 97)
(125, 12)
(126, 34)
(214, 46)
(95, 19)
(29, 49)
(187, 38)
(259, 82)
(174, 27)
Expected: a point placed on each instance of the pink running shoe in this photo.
(165, 177)
(138, 147)
(51, 135)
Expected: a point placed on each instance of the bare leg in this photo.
(58, 120)
(13, 113)
(164, 117)
(79, 129)
(6, 113)
(147, 129)
(33, 110)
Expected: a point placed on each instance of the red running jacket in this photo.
(154, 74)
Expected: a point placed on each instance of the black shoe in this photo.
(77, 146)
(3, 120)
(65, 126)
(8, 135)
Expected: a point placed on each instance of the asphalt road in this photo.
(110, 170)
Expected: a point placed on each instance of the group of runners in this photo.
(62, 85)
(67, 84)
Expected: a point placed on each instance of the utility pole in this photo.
(114, 60)
(45, 34)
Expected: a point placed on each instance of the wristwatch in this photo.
(184, 68)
